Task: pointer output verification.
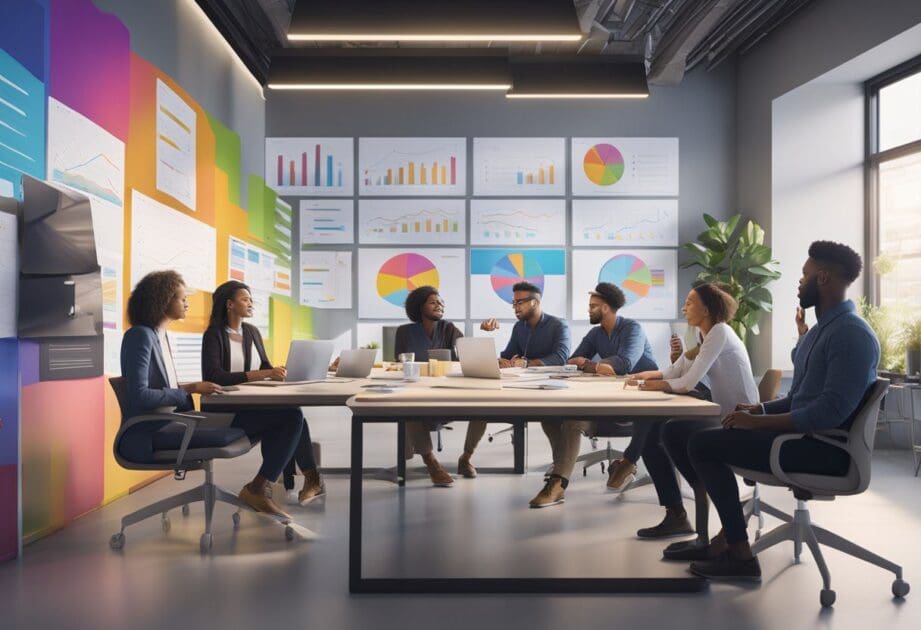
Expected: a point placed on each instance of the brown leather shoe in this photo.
(621, 474)
(465, 468)
(440, 477)
(261, 501)
(551, 494)
(313, 487)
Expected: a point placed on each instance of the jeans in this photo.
(303, 457)
(278, 431)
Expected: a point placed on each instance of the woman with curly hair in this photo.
(151, 381)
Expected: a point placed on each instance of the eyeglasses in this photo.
(520, 302)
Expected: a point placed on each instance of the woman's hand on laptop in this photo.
(278, 373)
(203, 387)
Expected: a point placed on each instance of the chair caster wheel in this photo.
(289, 533)
(900, 588)
(117, 541)
(205, 543)
(827, 598)
(165, 524)
(236, 520)
(185, 510)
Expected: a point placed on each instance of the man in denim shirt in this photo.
(834, 366)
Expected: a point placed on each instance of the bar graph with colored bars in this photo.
(543, 177)
(415, 174)
(317, 170)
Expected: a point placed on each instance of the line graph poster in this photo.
(310, 166)
(326, 279)
(412, 166)
(327, 221)
(625, 222)
(164, 238)
(494, 272)
(412, 221)
(519, 166)
(518, 222)
(175, 146)
(648, 278)
(386, 276)
(625, 166)
(84, 156)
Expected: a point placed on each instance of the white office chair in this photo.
(858, 443)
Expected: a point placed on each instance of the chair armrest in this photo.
(188, 420)
(823, 436)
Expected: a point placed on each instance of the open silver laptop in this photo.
(478, 357)
(356, 363)
(308, 360)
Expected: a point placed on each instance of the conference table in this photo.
(457, 398)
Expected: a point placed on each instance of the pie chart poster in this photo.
(648, 278)
(625, 167)
(493, 273)
(386, 276)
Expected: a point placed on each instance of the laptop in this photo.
(308, 360)
(478, 358)
(356, 363)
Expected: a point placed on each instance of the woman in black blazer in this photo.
(227, 359)
(151, 382)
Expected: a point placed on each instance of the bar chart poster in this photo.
(519, 166)
(310, 166)
(84, 156)
(412, 166)
(648, 278)
(412, 221)
(625, 222)
(327, 221)
(326, 279)
(22, 125)
(176, 122)
(518, 222)
(625, 166)
(387, 276)
(494, 273)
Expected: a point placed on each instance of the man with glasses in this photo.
(537, 339)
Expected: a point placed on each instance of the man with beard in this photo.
(834, 365)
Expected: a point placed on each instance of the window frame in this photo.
(873, 158)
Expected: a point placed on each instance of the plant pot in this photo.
(912, 361)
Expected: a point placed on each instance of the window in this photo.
(894, 185)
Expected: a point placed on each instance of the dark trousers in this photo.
(278, 430)
(713, 451)
(303, 457)
(667, 448)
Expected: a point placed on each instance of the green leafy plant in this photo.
(738, 259)
(373, 345)
(886, 322)
(911, 334)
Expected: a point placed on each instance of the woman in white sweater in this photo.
(723, 360)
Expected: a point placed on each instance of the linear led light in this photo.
(389, 86)
(578, 77)
(452, 37)
(563, 95)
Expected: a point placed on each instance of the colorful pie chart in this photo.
(603, 164)
(630, 273)
(403, 273)
(514, 268)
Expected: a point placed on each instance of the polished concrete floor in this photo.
(255, 578)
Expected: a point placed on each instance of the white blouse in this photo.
(237, 362)
(724, 360)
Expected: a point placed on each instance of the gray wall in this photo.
(175, 36)
(823, 36)
(700, 112)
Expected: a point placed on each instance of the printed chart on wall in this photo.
(326, 279)
(657, 333)
(519, 166)
(412, 221)
(518, 222)
(175, 146)
(164, 238)
(625, 222)
(22, 125)
(386, 277)
(185, 349)
(264, 275)
(412, 166)
(494, 272)
(310, 166)
(625, 166)
(327, 221)
(9, 274)
(648, 278)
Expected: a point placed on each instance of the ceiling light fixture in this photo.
(578, 78)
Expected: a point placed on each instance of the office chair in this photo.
(388, 343)
(858, 443)
(194, 448)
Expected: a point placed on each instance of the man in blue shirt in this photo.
(537, 338)
(834, 366)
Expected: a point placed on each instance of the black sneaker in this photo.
(725, 567)
(675, 523)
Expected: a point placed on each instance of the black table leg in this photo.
(520, 444)
(401, 453)
(355, 505)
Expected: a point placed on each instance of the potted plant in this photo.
(912, 340)
(739, 260)
(885, 322)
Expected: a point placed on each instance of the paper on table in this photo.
(536, 385)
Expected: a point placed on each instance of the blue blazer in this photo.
(145, 375)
